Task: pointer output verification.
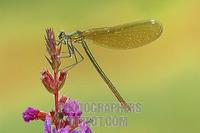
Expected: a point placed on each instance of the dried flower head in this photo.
(53, 49)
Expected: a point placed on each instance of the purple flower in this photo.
(72, 109)
(75, 131)
(62, 130)
(84, 128)
(47, 125)
(30, 114)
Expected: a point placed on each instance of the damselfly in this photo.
(126, 36)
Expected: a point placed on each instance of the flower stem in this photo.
(56, 94)
(56, 90)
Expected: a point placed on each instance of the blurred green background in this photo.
(163, 76)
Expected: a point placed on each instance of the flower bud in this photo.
(48, 81)
(61, 79)
(30, 114)
(33, 114)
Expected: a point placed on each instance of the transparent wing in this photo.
(125, 36)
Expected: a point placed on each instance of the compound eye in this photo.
(61, 34)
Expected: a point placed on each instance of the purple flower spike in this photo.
(65, 117)
(47, 125)
(30, 114)
(62, 130)
(84, 128)
(72, 109)
(76, 131)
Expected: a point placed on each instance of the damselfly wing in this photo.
(125, 36)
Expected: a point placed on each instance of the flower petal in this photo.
(72, 109)
(47, 80)
(84, 127)
(47, 125)
(62, 130)
(30, 114)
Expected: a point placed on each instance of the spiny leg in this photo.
(61, 42)
(76, 61)
(70, 50)
(74, 50)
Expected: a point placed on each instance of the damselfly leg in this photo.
(72, 52)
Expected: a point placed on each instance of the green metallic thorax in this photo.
(76, 36)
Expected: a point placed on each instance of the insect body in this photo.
(125, 36)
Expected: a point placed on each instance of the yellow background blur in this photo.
(163, 76)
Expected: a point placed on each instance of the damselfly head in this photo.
(61, 35)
